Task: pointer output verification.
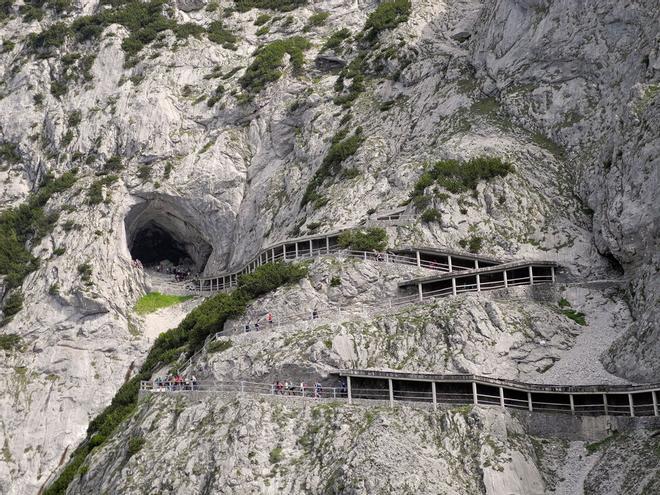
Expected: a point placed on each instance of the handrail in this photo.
(518, 385)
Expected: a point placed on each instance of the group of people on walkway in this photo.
(304, 390)
(176, 382)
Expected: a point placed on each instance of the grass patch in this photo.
(576, 316)
(268, 60)
(276, 455)
(472, 244)
(95, 192)
(336, 39)
(135, 444)
(155, 300)
(431, 215)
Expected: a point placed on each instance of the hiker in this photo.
(256, 326)
(315, 314)
(379, 257)
(302, 389)
(292, 389)
(269, 318)
(193, 382)
(343, 390)
(279, 387)
(247, 327)
(317, 390)
(287, 387)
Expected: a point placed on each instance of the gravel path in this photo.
(607, 320)
(159, 321)
(575, 470)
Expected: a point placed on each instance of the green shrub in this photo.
(336, 39)
(316, 20)
(85, 272)
(281, 5)
(458, 177)
(563, 303)
(113, 164)
(46, 40)
(335, 281)
(341, 149)
(67, 138)
(59, 251)
(144, 172)
(13, 304)
(28, 222)
(155, 300)
(95, 192)
(218, 34)
(74, 118)
(473, 244)
(182, 31)
(371, 239)
(431, 215)
(9, 153)
(276, 455)
(219, 346)
(262, 19)
(262, 30)
(387, 15)
(10, 341)
(268, 60)
(54, 289)
(135, 444)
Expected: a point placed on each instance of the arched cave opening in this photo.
(164, 231)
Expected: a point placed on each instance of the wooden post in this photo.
(552, 271)
(655, 402)
(283, 252)
(327, 245)
(531, 276)
(311, 248)
(506, 280)
(476, 263)
(389, 380)
(605, 405)
(632, 407)
(419, 292)
(529, 401)
(572, 401)
(501, 397)
(435, 401)
(272, 255)
(296, 244)
(478, 283)
(453, 286)
(348, 389)
(474, 393)
(451, 268)
(419, 259)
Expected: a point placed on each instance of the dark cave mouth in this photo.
(161, 232)
(153, 245)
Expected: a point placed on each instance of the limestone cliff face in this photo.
(457, 79)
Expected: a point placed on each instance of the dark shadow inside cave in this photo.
(153, 244)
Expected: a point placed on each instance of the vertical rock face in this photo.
(592, 77)
(566, 91)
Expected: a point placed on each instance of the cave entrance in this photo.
(153, 245)
(164, 231)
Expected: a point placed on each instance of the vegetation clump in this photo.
(341, 148)
(207, 318)
(10, 341)
(387, 15)
(281, 5)
(155, 300)
(268, 60)
(431, 215)
(336, 39)
(316, 20)
(472, 244)
(28, 222)
(135, 444)
(458, 177)
(13, 304)
(371, 239)
(95, 192)
(219, 346)
(569, 312)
